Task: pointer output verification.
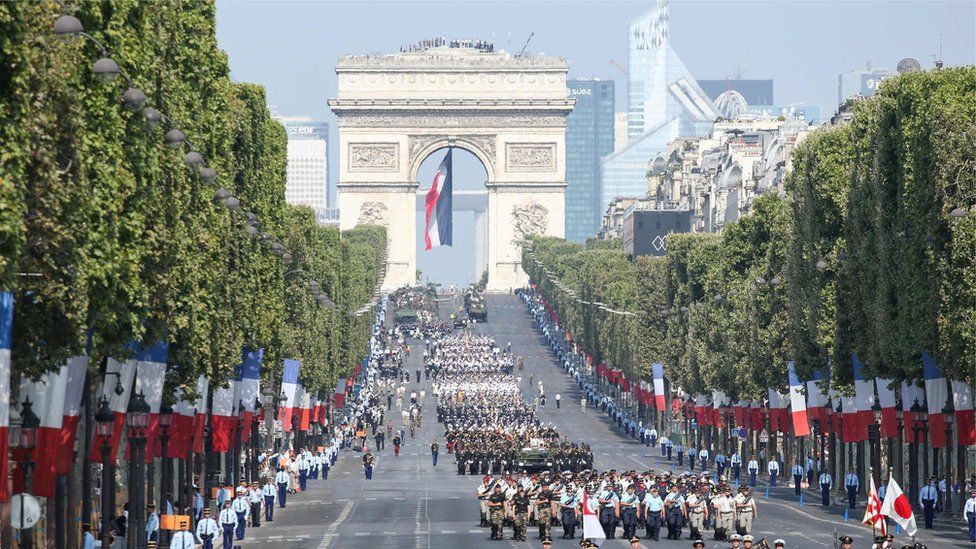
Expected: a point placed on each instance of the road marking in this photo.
(362, 533)
(331, 533)
(474, 531)
(449, 531)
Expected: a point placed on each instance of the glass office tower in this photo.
(589, 137)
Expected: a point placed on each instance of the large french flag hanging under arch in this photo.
(438, 206)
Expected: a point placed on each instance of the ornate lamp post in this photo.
(923, 417)
(899, 463)
(137, 418)
(256, 437)
(166, 475)
(948, 416)
(105, 421)
(29, 423)
(916, 411)
(874, 434)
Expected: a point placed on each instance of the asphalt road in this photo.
(411, 504)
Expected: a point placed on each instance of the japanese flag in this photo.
(897, 507)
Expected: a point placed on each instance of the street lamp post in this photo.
(137, 417)
(27, 442)
(166, 474)
(916, 411)
(875, 436)
(255, 436)
(105, 421)
(947, 415)
(898, 464)
(924, 448)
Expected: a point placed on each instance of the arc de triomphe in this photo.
(396, 109)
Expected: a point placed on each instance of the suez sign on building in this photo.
(580, 91)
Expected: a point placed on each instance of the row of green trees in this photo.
(107, 237)
(871, 250)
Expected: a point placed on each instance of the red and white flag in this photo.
(777, 411)
(118, 403)
(962, 400)
(592, 529)
(816, 400)
(47, 402)
(200, 414)
(898, 509)
(886, 399)
(223, 419)
(872, 514)
(798, 405)
(181, 427)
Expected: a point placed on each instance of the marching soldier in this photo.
(609, 511)
(543, 506)
(368, 460)
(283, 480)
(567, 507)
(520, 510)
(207, 529)
(724, 514)
(483, 491)
(496, 510)
(697, 513)
(182, 539)
(653, 513)
(674, 505)
(228, 522)
(434, 449)
(745, 511)
(268, 492)
(629, 502)
(242, 507)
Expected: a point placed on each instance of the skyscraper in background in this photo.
(308, 162)
(863, 83)
(589, 137)
(757, 93)
(664, 102)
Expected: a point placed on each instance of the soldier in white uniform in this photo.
(182, 539)
(207, 530)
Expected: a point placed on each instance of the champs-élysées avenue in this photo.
(322, 274)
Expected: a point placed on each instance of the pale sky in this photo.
(290, 47)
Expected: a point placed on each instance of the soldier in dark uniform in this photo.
(543, 509)
(496, 512)
(520, 505)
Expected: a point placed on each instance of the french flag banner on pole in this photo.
(222, 418)
(886, 399)
(438, 206)
(249, 387)
(6, 333)
(798, 405)
(305, 408)
(864, 399)
(936, 395)
(289, 386)
(962, 400)
(849, 418)
(659, 397)
(910, 393)
(200, 413)
(76, 371)
(118, 403)
(150, 377)
(816, 401)
(47, 401)
(181, 428)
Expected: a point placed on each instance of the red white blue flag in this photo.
(438, 206)
(798, 405)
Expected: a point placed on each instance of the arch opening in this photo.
(467, 258)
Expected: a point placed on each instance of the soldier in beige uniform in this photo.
(745, 511)
(697, 513)
(724, 515)
(484, 490)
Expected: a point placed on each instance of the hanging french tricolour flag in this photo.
(289, 386)
(200, 413)
(962, 399)
(910, 394)
(816, 400)
(47, 402)
(863, 401)
(248, 387)
(181, 428)
(936, 396)
(223, 421)
(438, 206)
(118, 374)
(798, 405)
(888, 403)
(658, 370)
(76, 372)
(150, 378)
(6, 335)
